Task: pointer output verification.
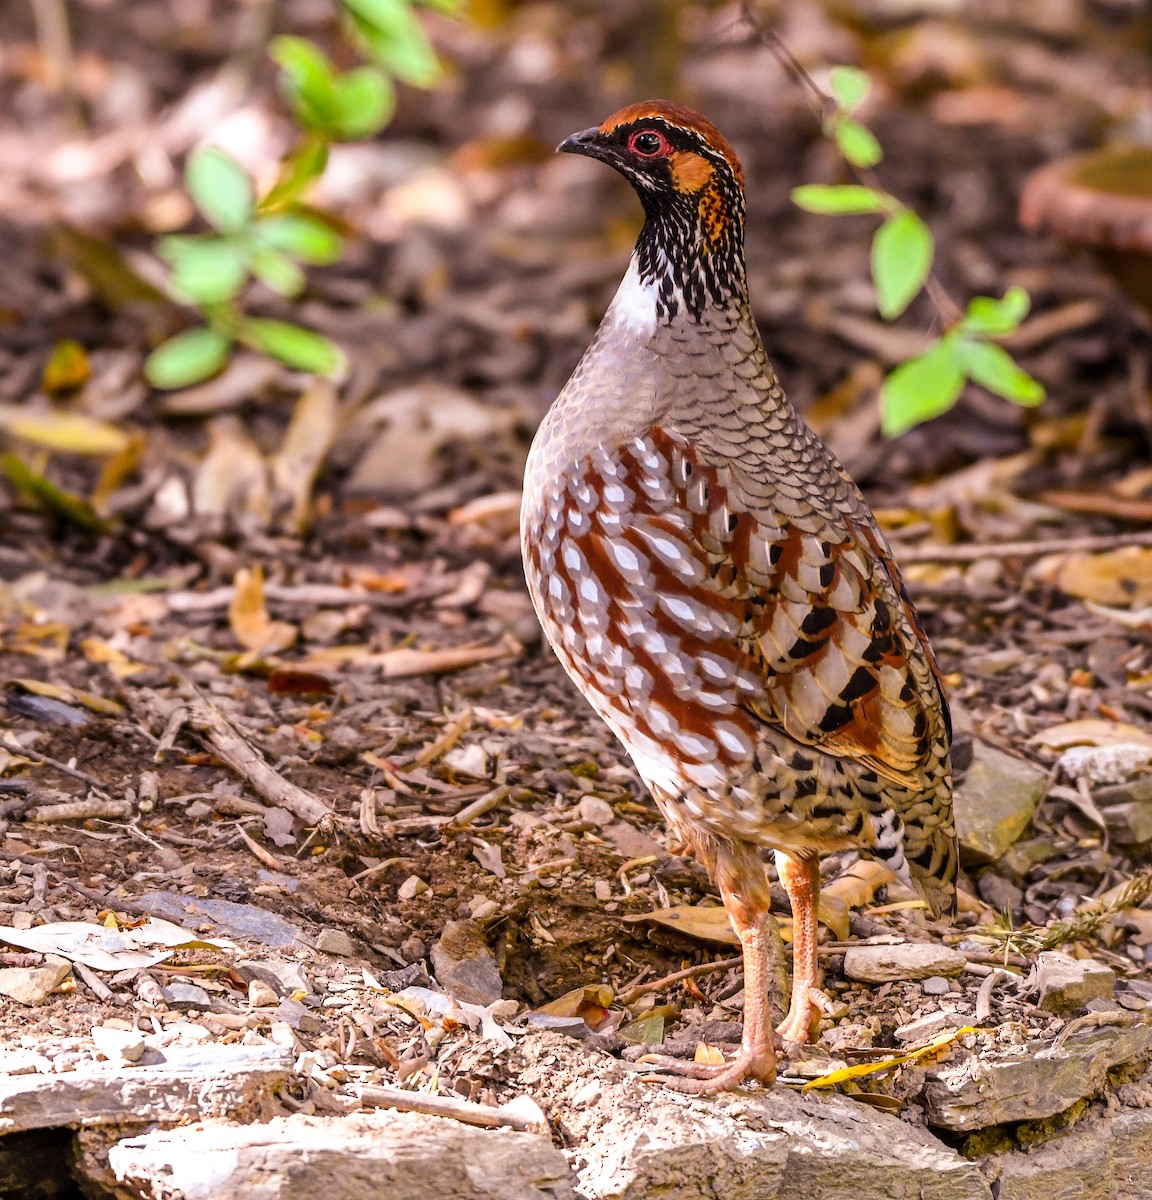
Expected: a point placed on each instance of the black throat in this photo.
(691, 250)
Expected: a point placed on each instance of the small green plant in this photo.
(902, 254)
(275, 238)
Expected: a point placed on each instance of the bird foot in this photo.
(799, 1026)
(707, 1079)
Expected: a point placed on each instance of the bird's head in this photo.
(691, 185)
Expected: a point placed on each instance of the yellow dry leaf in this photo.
(1092, 731)
(248, 616)
(97, 650)
(69, 695)
(929, 1053)
(711, 1055)
(1118, 577)
(705, 922)
(67, 368)
(72, 433)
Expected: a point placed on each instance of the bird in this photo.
(717, 587)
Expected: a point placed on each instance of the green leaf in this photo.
(901, 259)
(364, 102)
(388, 32)
(310, 240)
(856, 142)
(850, 87)
(64, 504)
(449, 8)
(277, 271)
(300, 349)
(921, 388)
(994, 368)
(187, 358)
(840, 199)
(205, 270)
(303, 166)
(994, 318)
(220, 187)
(308, 82)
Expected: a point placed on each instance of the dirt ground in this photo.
(412, 681)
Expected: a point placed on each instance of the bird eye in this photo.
(648, 143)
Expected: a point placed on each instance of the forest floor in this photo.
(327, 579)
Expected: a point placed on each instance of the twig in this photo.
(263, 855)
(656, 985)
(443, 743)
(219, 736)
(984, 995)
(479, 807)
(824, 107)
(95, 984)
(12, 744)
(978, 551)
(79, 810)
(445, 1106)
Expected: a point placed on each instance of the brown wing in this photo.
(825, 624)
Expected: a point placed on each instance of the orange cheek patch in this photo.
(690, 172)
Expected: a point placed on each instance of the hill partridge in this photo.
(717, 587)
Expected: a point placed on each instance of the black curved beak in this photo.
(586, 142)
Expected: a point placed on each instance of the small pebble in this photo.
(262, 995)
(335, 941)
(598, 812)
(603, 889)
(936, 985)
(412, 887)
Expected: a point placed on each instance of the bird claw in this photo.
(798, 1026)
(707, 1079)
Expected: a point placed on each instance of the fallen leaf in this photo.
(72, 433)
(1121, 576)
(933, 1051)
(302, 453)
(248, 617)
(67, 368)
(1091, 731)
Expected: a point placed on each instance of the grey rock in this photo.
(640, 1140)
(464, 965)
(1099, 1160)
(999, 893)
(1067, 983)
(996, 801)
(904, 960)
(363, 1156)
(295, 1015)
(213, 1080)
(335, 941)
(228, 918)
(1127, 810)
(185, 995)
(925, 1028)
(284, 975)
(1030, 1082)
(936, 985)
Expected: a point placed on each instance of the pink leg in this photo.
(800, 878)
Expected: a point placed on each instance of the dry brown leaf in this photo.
(1092, 731)
(1117, 577)
(713, 1056)
(72, 433)
(303, 451)
(248, 616)
(233, 478)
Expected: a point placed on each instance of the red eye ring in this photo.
(648, 143)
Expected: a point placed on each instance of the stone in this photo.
(999, 893)
(227, 918)
(261, 994)
(464, 965)
(335, 941)
(185, 995)
(904, 960)
(1127, 810)
(412, 887)
(1067, 983)
(362, 1156)
(639, 1141)
(212, 1080)
(1029, 1082)
(995, 802)
(118, 1045)
(1103, 1159)
(33, 985)
(936, 985)
(285, 975)
(930, 1026)
(596, 811)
